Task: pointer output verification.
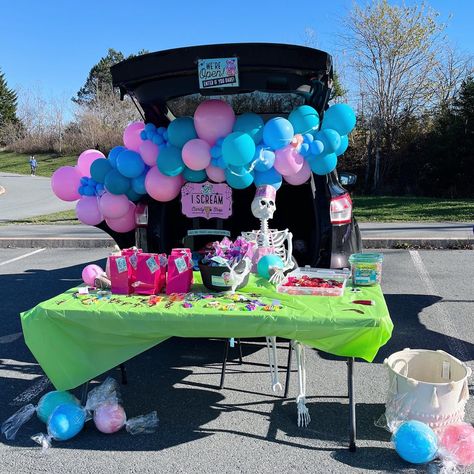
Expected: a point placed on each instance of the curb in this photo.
(52, 243)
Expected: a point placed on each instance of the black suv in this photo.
(273, 79)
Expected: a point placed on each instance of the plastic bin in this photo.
(366, 268)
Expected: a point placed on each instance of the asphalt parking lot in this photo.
(244, 427)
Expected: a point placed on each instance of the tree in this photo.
(8, 103)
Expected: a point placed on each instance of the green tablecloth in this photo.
(74, 342)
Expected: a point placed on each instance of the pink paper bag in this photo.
(151, 273)
(120, 273)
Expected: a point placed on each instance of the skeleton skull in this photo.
(263, 207)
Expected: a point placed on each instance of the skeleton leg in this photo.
(273, 363)
(303, 413)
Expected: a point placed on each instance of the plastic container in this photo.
(366, 268)
(341, 276)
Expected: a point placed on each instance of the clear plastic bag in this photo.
(143, 424)
(11, 426)
(107, 392)
(456, 447)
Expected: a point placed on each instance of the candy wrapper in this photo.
(456, 448)
(228, 253)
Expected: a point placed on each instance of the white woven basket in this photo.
(429, 386)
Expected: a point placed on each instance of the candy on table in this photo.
(228, 307)
(250, 307)
(212, 304)
(313, 282)
(153, 299)
(187, 304)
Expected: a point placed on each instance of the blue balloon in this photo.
(85, 180)
(277, 133)
(113, 153)
(138, 184)
(316, 148)
(51, 400)
(161, 130)
(216, 151)
(304, 150)
(238, 177)
(271, 177)
(157, 140)
(330, 138)
(99, 189)
(238, 149)
(89, 190)
(266, 263)
(66, 421)
(220, 163)
(181, 130)
(264, 159)
(308, 138)
(150, 127)
(116, 183)
(323, 164)
(170, 162)
(415, 442)
(81, 190)
(132, 195)
(99, 168)
(220, 141)
(339, 117)
(343, 146)
(250, 123)
(304, 119)
(130, 164)
(144, 135)
(194, 176)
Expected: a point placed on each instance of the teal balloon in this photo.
(170, 162)
(138, 184)
(194, 176)
(264, 159)
(343, 146)
(49, 402)
(181, 130)
(238, 149)
(133, 196)
(323, 164)
(277, 133)
(66, 421)
(339, 117)
(305, 119)
(113, 153)
(266, 263)
(116, 183)
(316, 147)
(130, 164)
(330, 138)
(415, 442)
(250, 123)
(99, 168)
(271, 177)
(238, 177)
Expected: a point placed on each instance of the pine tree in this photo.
(8, 103)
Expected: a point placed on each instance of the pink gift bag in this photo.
(120, 273)
(180, 271)
(151, 273)
(132, 259)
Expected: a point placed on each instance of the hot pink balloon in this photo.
(87, 210)
(86, 158)
(113, 206)
(131, 136)
(90, 273)
(458, 441)
(65, 183)
(125, 223)
(288, 161)
(215, 174)
(301, 176)
(213, 119)
(109, 418)
(196, 154)
(160, 187)
(149, 152)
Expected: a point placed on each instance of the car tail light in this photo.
(341, 209)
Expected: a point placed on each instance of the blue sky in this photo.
(52, 45)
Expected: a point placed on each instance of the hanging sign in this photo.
(220, 72)
(206, 200)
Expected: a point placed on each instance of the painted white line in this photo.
(21, 256)
(449, 329)
(30, 393)
(10, 338)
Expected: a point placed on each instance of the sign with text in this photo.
(206, 200)
(220, 72)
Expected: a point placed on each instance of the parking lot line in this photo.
(21, 256)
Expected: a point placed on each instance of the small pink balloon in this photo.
(301, 176)
(113, 206)
(109, 418)
(215, 174)
(131, 136)
(125, 223)
(288, 161)
(160, 187)
(213, 119)
(90, 273)
(86, 158)
(196, 154)
(149, 152)
(65, 183)
(458, 441)
(87, 210)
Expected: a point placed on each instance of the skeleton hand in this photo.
(277, 275)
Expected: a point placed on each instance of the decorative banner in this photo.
(220, 72)
(206, 200)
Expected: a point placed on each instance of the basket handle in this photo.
(405, 367)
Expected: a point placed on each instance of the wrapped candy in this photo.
(456, 446)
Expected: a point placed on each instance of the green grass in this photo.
(11, 162)
(416, 209)
(62, 217)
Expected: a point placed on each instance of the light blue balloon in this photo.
(170, 162)
(304, 150)
(266, 263)
(264, 159)
(130, 164)
(99, 168)
(415, 442)
(66, 421)
(116, 183)
(238, 177)
(323, 164)
(113, 153)
(330, 138)
(133, 196)
(308, 138)
(50, 401)
(316, 148)
(238, 149)
(138, 184)
(277, 133)
(181, 130)
(343, 146)
(304, 119)
(194, 176)
(339, 117)
(250, 123)
(271, 177)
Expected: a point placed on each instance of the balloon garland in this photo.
(214, 145)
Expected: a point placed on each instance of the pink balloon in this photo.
(109, 417)
(458, 441)
(125, 223)
(149, 152)
(215, 174)
(65, 183)
(86, 158)
(87, 210)
(213, 119)
(301, 176)
(131, 136)
(196, 154)
(90, 273)
(288, 161)
(160, 187)
(113, 206)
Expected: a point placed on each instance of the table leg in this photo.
(224, 362)
(123, 371)
(352, 405)
(85, 389)
(239, 342)
(288, 370)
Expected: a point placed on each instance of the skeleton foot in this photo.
(304, 418)
(303, 413)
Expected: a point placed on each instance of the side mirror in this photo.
(347, 179)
